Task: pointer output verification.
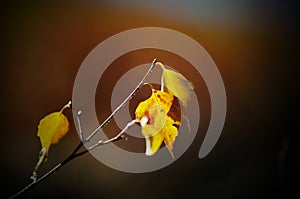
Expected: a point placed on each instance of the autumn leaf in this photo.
(160, 114)
(157, 124)
(163, 99)
(50, 130)
(167, 134)
(176, 84)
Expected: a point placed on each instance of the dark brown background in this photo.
(253, 45)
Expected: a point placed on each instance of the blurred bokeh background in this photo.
(254, 46)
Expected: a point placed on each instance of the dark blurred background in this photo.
(255, 46)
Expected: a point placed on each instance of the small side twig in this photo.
(78, 114)
(76, 152)
(117, 137)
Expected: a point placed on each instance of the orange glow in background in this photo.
(43, 46)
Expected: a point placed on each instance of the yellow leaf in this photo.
(177, 84)
(51, 128)
(167, 134)
(156, 119)
(157, 97)
(157, 124)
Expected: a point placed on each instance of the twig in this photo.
(78, 114)
(39, 180)
(123, 103)
(75, 152)
(101, 142)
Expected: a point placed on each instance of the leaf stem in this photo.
(68, 105)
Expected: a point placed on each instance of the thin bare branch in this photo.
(101, 142)
(78, 114)
(76, 152)
(123, 103)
